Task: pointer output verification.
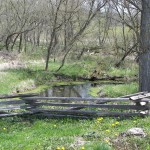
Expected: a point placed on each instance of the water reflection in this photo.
(81, 90)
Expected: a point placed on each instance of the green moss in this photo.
(67, 83)
(38, 89)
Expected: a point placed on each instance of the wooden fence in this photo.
(75, 107)
(14, 105)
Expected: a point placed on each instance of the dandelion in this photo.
(107, 141)
(108, 131)
(83, 148)
(116, 123)
(63, 148)
(113, 125)
(58, 148)
(100, 119)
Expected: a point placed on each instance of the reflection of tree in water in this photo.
(81, 90)
(68, 91)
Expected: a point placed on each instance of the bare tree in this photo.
(92, 12)
(129, 20)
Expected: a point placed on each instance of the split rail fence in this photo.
(137, 104)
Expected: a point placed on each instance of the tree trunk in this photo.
(144, 57)
(20, 44)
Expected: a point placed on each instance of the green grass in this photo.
(12, 79)
(120, 90)
(115, 90)
(8, 82)
(32, 133)
(94, 91)
(74, 70)
(128, 72)
(25, 79)
(34, 75)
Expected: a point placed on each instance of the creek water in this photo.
(78, 90)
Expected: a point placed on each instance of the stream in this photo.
(76, 90)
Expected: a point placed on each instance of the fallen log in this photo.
(92, 78)
(114, 78)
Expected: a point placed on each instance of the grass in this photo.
(128, 72)
(120, 90)
(12, 79)
(34, 75)
(114, 90)
(24, 79)
(8, 82)
(94, 91)
(32, 133)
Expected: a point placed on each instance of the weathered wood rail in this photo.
(13, 105)
(75, 107)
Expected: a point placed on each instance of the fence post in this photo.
(148, 105)
(30, 102)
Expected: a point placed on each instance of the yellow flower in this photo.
(134, 121)
(4, 128)
(58, 148)
(116, 123)
(63, 148)
(100, 119)
(107, 141)
(113, 125)
(55, 126)
(108, 131)
(116, 134)
(83, 148)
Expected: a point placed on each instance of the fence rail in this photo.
(74, 107)
(17, 96)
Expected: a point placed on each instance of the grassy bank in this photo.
(32, 75)
(114, 90)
